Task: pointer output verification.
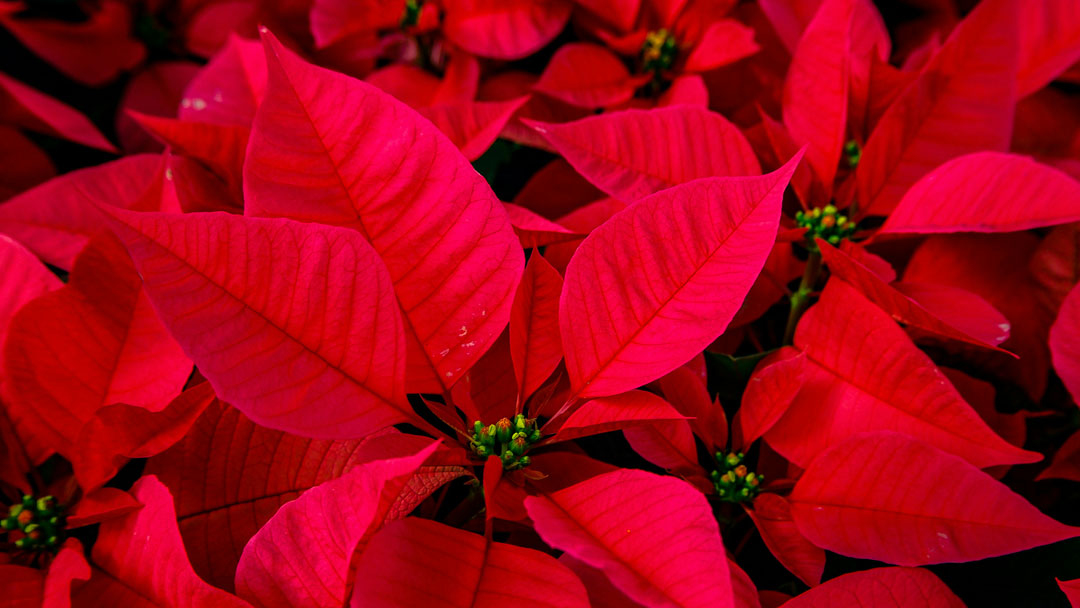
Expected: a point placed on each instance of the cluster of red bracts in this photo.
(290, 348)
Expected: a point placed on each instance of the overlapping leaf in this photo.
(321, 529)
(229, 476)
(881, 588)
(301, 318)
(140, 560)
(961, 102)
(504, 29)
(56, 219)
(607, 414)
(1065, 343)
(634, 153)
(662, 279)
(377, 167)
(948, 512)
(772, 517)
(587, 75)
(816, 88)
(655, 537)
(865, 374)
(535, 345)
(987, 192)
(417, 562)
(95, 342)
(984, 325)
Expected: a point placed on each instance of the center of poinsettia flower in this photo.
(509, 440)
(411, 16)
(658, 52)
(733, 481)
(825, 223)
(36, 524)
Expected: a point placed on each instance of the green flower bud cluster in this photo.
(659, 51)
(509, 440)
(852, 153)
(412, 13)
(732, 480)
(40, 522)
(825, 223)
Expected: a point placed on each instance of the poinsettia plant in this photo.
(558, 303)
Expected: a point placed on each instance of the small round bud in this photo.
(519, 445)
(503, 430)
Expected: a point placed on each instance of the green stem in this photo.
(801, 298)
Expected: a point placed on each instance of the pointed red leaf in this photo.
(119, 432)
(880, 588)
(688, 394)
(220, 148)
(418, 562)
(587, 75)
(123, 353)
(450, 249)
(816, 88)
(634, 153)
(772, 517)
(1066, 463)
(688, 90)
(865, 374)
(156, 90)
(68, 566)
(1049, 42)
(321, 529)
(332, 20)
(987, 192)
(1071, 589)
(472, 126)
(723, 42)
(100, 505)
(634, 307)
(228, 477)
(789, 18)
(140, 560)
(1065, 343)
(999, 269)
(36, 111)
(489, 390)
(92, 52)
(504, 29)
(229, 89)
(1055, 265)
(615, 413)
(962, 102)
(601, 591)
(984, 325)
(936, 509)
(960, 309)
(655, 537)
(669, 445)
(24, 279)
(774, 384)
(534, 325)
(287, 363)
(56, 219)
(536, 231)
